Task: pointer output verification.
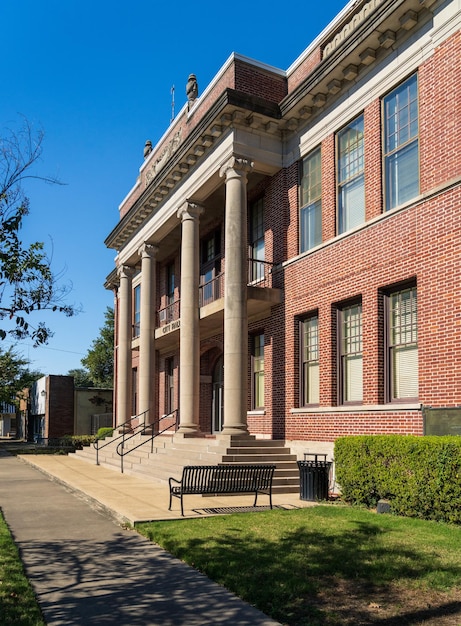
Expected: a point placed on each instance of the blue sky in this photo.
(96, 77)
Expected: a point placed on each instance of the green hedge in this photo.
(421, 476)
(104, 432)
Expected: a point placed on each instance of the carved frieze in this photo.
(164, 157)
(347, 30)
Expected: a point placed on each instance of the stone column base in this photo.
(187, 433)
(234, 436)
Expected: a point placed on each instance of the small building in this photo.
(51, 412)
(57, 409)
(8, 414)
(92, 409)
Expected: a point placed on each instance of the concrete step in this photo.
(257, 458)
(169, 456)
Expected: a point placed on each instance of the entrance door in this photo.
(218, 395)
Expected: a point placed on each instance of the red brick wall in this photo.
(303, 70)
(440, 114)
(60, 406)
(422, 242)
(259, 82)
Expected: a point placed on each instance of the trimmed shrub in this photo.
(104, 432)
(421, 476)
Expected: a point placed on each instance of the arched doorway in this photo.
(218, 395)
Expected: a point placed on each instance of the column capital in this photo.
(148, 250)
(236, 165)
(190, 210)
(125, 271)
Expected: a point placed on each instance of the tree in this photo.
(27, 283)
(81, 377)
(15, 376)
(99, 360)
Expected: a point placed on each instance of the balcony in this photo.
(261, 296)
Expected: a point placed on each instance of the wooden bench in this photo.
(222, 479)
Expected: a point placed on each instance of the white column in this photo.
(235, 298)
(124, 397)
(146, 373)
(189, 332)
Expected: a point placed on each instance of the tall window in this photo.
(136, 310)
(351, 354)
(210, 267)
(310, 218)
(257, 371)
(169, 385)
(403, 344)
(401, 145)
(351, 183)
(256, 241)
(310, 361)
(170, 283)
(134, 392)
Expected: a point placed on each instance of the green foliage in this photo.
(27, 283)
(18, 604)
(81, 377)
(421, 476)
(104, 432)
(80, 441)
(99, 360)
(15, 376)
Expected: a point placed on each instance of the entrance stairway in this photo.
(170, 454)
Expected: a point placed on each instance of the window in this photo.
(401, 145)
(169, 385)
(310, 361)
(256, 241)
(257, 370)
(136, 310)
(402, 342)
(310, 218)
(351, 376)
(210, 268)
(134, 392)
(351, 183)
(170, 283)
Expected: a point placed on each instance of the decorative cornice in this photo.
(230, 110)
(358, 18)
(164, 157)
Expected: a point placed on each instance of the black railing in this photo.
(152, 430)
(168, 314)
(211, 290)
(260, 273)
(122, 429)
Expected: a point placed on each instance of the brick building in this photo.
(288, 260)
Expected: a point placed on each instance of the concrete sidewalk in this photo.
(130, 499)
(86, 569)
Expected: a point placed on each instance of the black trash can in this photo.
(314, 477)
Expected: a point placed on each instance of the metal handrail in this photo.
(259, 272)
(155, 433)
(125, 426)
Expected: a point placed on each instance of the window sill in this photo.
(358, 408)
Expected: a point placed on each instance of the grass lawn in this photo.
(328, 564)
(18, 606)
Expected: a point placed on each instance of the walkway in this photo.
(86, 569)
